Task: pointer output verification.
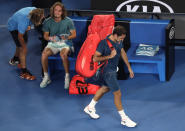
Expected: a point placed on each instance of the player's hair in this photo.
(64, 12)
(36, 16)
(119, 30)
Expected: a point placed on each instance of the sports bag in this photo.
(100, 27)
(79, 86)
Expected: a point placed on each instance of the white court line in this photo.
(3, 26)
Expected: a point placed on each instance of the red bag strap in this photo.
(111, 48)
(104, 63)
(110, 45)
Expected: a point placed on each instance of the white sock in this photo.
(67, 75)
(46, 74)
(92, 103)
(122, 114)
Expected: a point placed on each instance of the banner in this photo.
(154, 6)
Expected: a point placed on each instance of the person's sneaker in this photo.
(91, 112)
(14, 62)
(27, 75)
(128, 122)
(67, 81)
(45, 82)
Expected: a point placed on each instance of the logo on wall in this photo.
(154, 6)
(172, 32)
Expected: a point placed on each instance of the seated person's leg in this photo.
(64, 56)
(48, 51)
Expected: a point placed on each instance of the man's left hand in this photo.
(131, 73)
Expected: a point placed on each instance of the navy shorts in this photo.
(15, 37)
(108, 79)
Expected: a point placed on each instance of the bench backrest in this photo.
(148, 31)
(82, 25)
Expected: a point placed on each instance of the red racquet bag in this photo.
(101, 26)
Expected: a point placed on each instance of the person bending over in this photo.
(18, 25)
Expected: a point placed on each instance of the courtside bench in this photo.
(154, 32)
(146, 31)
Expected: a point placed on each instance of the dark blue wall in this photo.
(77, 4)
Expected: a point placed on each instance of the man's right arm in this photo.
(49, 38)
(45, 30)
(21, 39)
(98, 56)
(22, 42)
(46, 36)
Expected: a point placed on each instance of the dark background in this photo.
(176, 5)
